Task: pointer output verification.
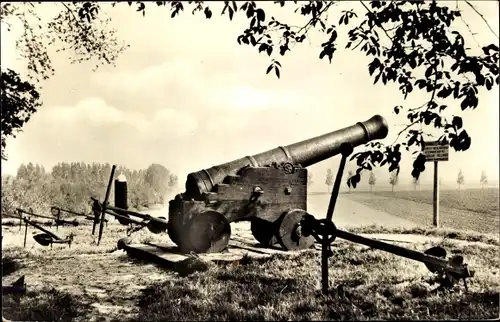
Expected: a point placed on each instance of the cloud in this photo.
(185, 85)
(96, 119)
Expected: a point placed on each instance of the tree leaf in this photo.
(457, 122)
(269, 50)
(261, 15)
(208, 13)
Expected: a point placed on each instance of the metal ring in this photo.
(55, 211)
(330, 229)
(288, 168)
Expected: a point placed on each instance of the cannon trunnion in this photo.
(268, 189)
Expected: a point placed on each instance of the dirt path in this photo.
(110, 282)
(422, 213)
(349, 213)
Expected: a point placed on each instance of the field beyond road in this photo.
(472, 209)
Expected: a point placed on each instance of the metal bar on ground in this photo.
(42, 229)
(137, 214)
(131, 220)
(403, 252)
(122, 211)
(35, 215)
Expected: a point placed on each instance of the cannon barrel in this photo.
(305, 153)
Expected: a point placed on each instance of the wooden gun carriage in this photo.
(268, 189)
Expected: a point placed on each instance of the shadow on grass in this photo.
(44, 305)
(9, 266)
(288, 289)
(183, 268)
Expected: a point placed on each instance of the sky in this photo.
(187, 96)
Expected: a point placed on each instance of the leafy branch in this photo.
(425, 53)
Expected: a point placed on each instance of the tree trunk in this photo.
(392, 188)
(371, 188)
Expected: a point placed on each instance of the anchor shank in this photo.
(105, 204)
(131, 220)
(403, 252)
(34, 215)
(336, 185)
(42, 229)
(117, 211)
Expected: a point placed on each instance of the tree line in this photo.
(394, 179)
(70, 186)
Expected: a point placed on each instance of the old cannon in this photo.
(268, 189)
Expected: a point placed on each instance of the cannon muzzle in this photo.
(305, 153)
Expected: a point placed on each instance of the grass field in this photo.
(482, 201)
(473, 209)
(98, 283)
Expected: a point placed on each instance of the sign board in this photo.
(435, 151)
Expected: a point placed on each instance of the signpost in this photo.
(436, 151)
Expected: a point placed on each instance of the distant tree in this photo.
(484, 179)
(8, 204)
(70, 185)
(309, 179)
(158, 178)
(350, 174)
(416, 182)
(460, 179)
(329, 179)
(393, 179)
(372, 180)
(172, 182)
